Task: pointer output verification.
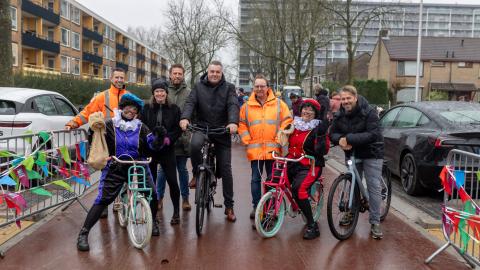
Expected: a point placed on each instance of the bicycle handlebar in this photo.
(132, 161)
(208, 130)
(291, 159)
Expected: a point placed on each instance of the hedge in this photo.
(78, 91)
(376, 92)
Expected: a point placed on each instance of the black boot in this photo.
(311, 232)
(175, 218)
(155, 229)
(82, 241)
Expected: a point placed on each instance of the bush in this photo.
(78, 91)
(438, 95)
(376, 92)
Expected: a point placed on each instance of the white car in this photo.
(24, 110)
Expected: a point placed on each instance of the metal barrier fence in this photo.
(41, 171)
(460, 210)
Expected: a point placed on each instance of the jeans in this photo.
(256, 182)
(182, 178)
(372, 170)
(223, 156)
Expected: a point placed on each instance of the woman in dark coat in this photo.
(162, 118)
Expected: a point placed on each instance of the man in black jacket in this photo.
(321, 95)
(356, 129)
(214, 103)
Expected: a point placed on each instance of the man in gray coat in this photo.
(178, 92)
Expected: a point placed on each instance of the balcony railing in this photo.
(122, 65)
(140, 71)
(164, 67)
(154, 76)
(122, 48)
(154, 62)
(92, 57)
(31, 39)
(140, 57)
(39, 11)
(87, 33)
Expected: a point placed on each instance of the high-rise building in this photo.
(65, 37)
(439, 20)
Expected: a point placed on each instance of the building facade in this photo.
(440, 20)
(65, 37)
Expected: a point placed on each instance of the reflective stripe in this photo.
(246, 133)
(246, 116)
(255, 122)
(278, 116)
(259, 145)
(274, 145)
(107, 102)
(271, 122)
(83, 119)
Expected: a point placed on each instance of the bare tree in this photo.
(5, 43)
(151, 36)
(352, 20)
(195, 32)
(288, 32)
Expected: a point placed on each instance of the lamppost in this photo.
(419, 50)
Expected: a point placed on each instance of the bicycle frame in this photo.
(357, 180)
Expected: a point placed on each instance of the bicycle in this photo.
(271, 209)
(134, 211)
(350, 199)
(206, 179)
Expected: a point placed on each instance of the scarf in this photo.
(301, 125)
(123, 125)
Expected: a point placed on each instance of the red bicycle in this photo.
(274, 204)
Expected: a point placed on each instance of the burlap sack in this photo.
(283, 136)
(97, 158)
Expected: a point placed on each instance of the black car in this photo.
(418, 137)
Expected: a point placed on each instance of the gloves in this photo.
(166, 141)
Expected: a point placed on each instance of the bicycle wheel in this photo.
(386, 193)
(202, 202)
(122, 212)
(267, 222)
(337, 207)
(140, 223)
(209, 197)
(316, 201)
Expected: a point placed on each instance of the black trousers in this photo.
(167, 160)
(223, 153)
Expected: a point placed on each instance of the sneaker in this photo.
(186, 205)
(252, 214)
(82, 241)
(311, 232)
(376, 231)
(175, 219)
(155, 229)
(346, 219)
(230, 214)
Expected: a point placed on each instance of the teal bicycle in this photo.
(134, 209)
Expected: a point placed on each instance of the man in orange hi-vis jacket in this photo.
(104, 102)
(262, 117)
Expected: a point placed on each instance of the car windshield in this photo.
(462, 116)
(7, 107)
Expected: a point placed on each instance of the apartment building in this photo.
(448, 64)
(65, 37)
(440, 20)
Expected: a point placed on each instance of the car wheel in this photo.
(409, 175)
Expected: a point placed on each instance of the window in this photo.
(465, 64)
(438, 64)
(51, 63)
(105, 51)
(65, 9)
(64, 64)
(408, 118)
(75, 15)
(45, 105)
(15, 54)
(133, 61)
(13, 16)
(7, 107)
(389, 117)
(112, 34)
(64, 108)
(408, 68)
(75, 66)
(112, 53)
(76, 41)
(106, 33)
(65, 41)
(107, 70)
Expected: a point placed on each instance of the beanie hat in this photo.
(130, 99)
(313, 104)
(159, 83)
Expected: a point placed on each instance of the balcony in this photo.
(122, 65)
(122, 48)
(31, 39)
(92, 57)
(154, 62)
(87, 33)
(39, 11)
(164, 67)
(140, 71)
(140, 57)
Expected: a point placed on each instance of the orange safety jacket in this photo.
(110, 97)
(259, 125)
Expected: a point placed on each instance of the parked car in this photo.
(23, 110)
(418, 137)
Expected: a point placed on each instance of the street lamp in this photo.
(419, 50)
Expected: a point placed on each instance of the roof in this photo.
(453, 86)
(458, 49)
(21, 94)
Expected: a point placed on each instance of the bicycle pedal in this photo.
(217, 205)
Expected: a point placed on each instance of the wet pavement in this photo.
(224, 245)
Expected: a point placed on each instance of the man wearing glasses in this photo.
(261, 119)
